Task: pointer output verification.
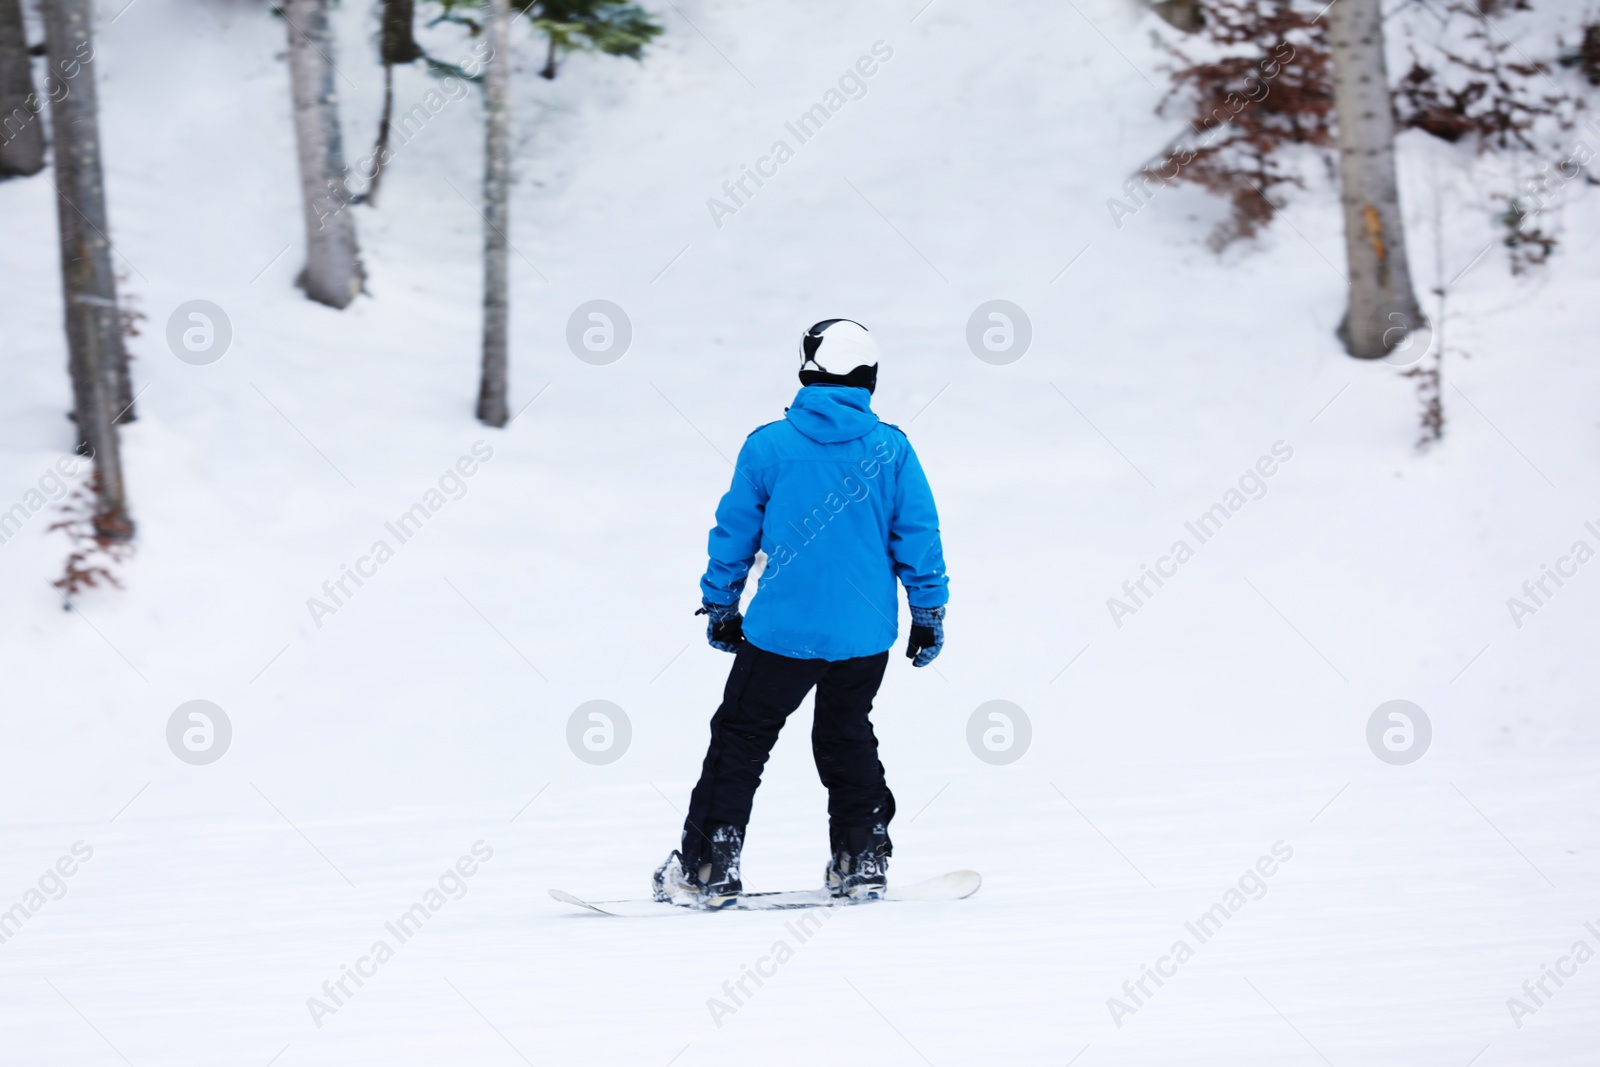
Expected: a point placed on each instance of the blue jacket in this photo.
(839, 503)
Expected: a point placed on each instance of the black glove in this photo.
(927, 635)
(724, 625)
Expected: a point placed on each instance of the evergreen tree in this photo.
(609, 27)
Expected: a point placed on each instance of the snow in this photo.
(429, 712)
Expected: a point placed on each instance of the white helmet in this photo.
(840, 352)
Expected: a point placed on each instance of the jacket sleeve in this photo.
(914, 537)
(737, 534)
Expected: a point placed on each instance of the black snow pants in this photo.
(763, 688)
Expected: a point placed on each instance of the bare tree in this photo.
(397, 45)
(496, 216)
(21, 131)
(333, 273)
(94, 329)
(1383, 308)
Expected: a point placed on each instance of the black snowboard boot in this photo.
(860, 866)
(713, 883)
(719, 873)
(671, 884)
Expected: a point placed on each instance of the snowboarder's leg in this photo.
(762, 690)
(846, 751)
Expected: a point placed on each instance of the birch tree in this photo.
(94, 333)
(333, 273)
(21, 131)
(1382, 307)
(496, 216)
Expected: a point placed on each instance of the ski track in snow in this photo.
(429, 712)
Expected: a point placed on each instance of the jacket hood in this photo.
(832, 413)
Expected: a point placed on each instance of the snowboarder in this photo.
(840, 506)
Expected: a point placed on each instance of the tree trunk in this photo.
(1383, 308)
(333, 274)
(21, 131)
(94, 330)
(380, 150)
(397, 46)
(496, 179)
(1185, 15)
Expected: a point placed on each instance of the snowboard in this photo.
(955, 885)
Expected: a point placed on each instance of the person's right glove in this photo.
(927, 635)
(724, 625)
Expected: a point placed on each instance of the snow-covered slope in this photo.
(372, 747)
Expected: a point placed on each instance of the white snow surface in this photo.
(429, 713)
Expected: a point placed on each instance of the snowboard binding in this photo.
(710, 885)
(859, 869)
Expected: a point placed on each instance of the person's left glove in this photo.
(927, 635)
(724, 625)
